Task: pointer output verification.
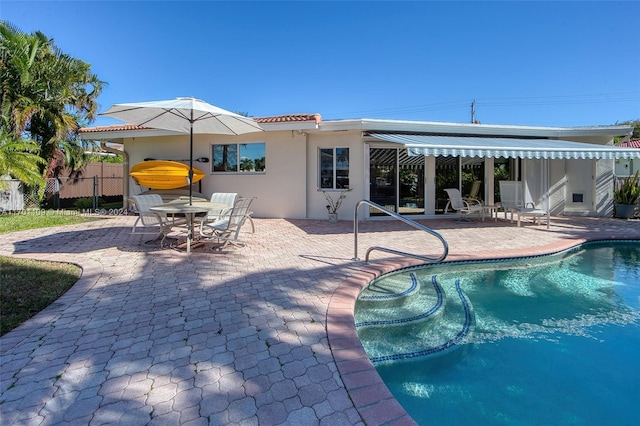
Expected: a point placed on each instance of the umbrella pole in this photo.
(190, 215)
(191, 159)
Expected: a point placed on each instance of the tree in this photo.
(246, 164)
(636, 129)
(19, 160)
(45, 95)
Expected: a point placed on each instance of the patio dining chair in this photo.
(462, 206)
(228, 198)
(224, 230)
(510, 196)
(149, 222)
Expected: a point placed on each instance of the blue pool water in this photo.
(538, 341)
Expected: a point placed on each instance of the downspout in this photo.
(125, 169)
(305, 135)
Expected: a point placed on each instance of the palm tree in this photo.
(246, 164)
(45, 94)
(18, 159)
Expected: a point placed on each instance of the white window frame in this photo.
(334, 168)
(238, 158)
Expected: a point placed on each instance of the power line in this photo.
(619, 97)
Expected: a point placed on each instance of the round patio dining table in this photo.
(182, 206)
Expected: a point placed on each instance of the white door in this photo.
(579, 186)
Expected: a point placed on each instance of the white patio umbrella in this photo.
(187, 115)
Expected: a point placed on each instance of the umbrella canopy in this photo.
(187, 115)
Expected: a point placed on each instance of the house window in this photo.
(334, 168)
(238, 157)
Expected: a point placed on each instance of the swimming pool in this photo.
(544, 340)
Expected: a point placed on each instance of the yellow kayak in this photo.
(163, 174)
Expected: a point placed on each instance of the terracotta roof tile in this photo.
(112, 128)
(289, 118)
(633, 143)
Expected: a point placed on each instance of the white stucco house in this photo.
(402, 165)
(627, 167)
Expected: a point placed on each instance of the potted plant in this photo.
(334, 205)
(625, 196)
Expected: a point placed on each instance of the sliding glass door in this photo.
(463, 173)
(396, 181)
(383, 170)
(411, 173)
(447, 172)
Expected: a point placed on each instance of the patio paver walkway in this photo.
(262, 336)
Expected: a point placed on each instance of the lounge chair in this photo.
(149, 222)
(461, 205)
(474, 194)
(225, 229)
(511, 200)
(535, 213)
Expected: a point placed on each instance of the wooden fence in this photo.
(109, 182)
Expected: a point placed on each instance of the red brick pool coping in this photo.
(370, 395)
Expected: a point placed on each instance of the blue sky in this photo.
(562, 63)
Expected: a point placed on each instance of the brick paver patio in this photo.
(262, 336)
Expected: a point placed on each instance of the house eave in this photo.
(471, 129)
(379, 125)
(120, 136)
(275, 127)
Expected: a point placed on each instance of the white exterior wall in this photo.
(288, 187)
(430, 183)
(557, 186)
(580, 180)
(604, 188)
(280, 190)
(316, 203)
(594, 179)
(624, 168)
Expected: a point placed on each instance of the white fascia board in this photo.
(394, 126)
(471, 129)
(294, 125)
(120, 135)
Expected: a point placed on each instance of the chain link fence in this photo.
(92, 192)
(86, 194)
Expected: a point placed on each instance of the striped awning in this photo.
(464, 146)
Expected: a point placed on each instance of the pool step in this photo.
(391, 304)
(432, 323)
(393, 290)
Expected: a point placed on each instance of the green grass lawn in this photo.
(40, 219)
(28, 286)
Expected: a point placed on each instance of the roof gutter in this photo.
(374, 125)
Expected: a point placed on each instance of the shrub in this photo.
(628, 191)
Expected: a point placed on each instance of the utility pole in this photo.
(473, 111)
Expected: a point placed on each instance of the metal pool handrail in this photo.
(388, 250)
